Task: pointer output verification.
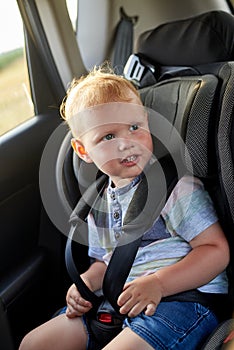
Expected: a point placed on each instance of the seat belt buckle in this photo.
(109, 319)
(107, 315)
(105, 318)
(134, 69)
(137, 68)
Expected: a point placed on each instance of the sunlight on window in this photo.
(72, 6)
(15, 99)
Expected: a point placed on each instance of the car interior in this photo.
(180, 56)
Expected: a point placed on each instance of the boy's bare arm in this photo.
(209, 257)
(93, 277)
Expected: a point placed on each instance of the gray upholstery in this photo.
(187, 103)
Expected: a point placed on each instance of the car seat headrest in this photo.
(179, 102)
(190, 41)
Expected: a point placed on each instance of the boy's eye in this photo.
(134, 127)
(108, 137)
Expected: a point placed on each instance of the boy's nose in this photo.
(124, 144)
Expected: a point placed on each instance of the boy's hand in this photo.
(144, 293)
(76, 305)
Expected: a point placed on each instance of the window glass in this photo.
(72, 6)
(15, 99)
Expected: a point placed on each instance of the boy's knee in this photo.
(228, 346)
(23, 344)
(27, 343)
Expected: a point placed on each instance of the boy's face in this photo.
(116, 138)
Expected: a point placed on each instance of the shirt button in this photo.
(112, 196)
(116, 215)
(117, 235)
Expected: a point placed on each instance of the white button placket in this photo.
(116, 215)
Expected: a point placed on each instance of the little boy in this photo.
(184, 251)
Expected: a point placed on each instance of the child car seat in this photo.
(191, 90)
(180, 111)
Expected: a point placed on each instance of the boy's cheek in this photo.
(104, 152)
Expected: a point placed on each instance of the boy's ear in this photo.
(80, 150)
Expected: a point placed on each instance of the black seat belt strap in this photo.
(74, 274)
(123, 41)
(156, 195)
(78, 234)
(124, 254)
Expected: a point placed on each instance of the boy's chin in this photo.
(122, 182)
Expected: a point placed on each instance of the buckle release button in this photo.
(105, 318)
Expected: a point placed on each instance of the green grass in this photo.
(9, 57)
(15, 103)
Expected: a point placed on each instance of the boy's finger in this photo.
(150, 309)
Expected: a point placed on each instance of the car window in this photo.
(232, 3)
(72, 6)
(15, 99)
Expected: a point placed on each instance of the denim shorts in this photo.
(175, 325)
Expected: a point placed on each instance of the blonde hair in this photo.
(100, 86)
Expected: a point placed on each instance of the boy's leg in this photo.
(179, 325)
(59, 333)
(128, 340)
(228, 346)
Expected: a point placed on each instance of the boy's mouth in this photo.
(129, 159)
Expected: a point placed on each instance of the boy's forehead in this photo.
(111, 113)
